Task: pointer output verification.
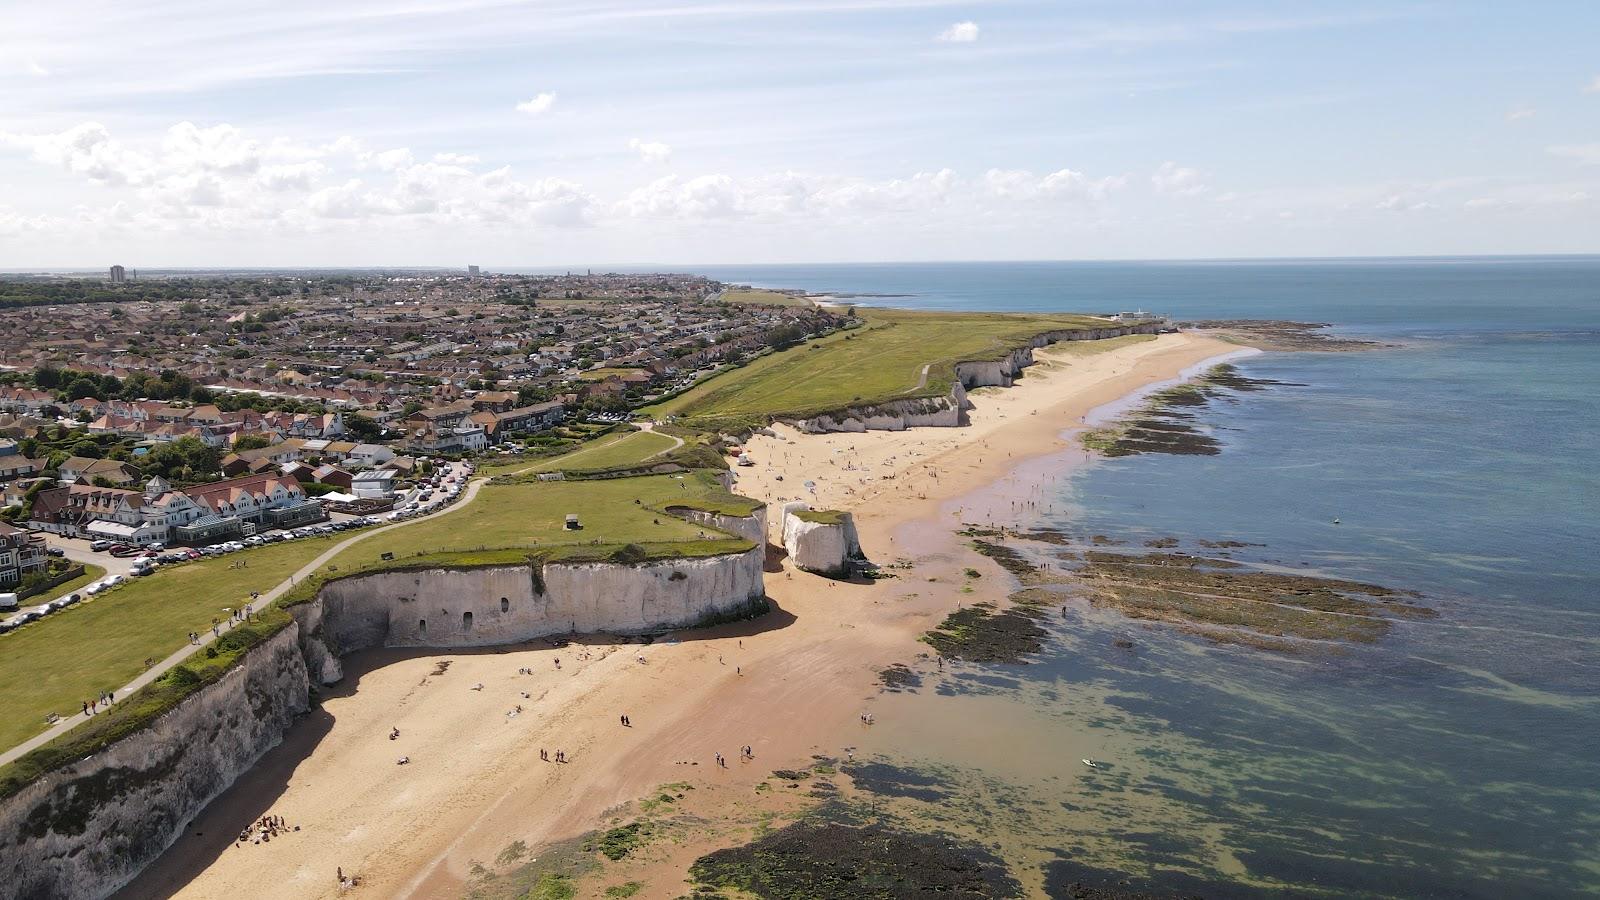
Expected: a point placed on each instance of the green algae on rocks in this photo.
(835, 861)
(1161, 425)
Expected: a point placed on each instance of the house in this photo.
(20, 555)
(377, 484)
(84, 510)
(532, 418)
(15, 493)
(494, 401)
(368, 455)
(12, 467)
(80, 468)
(272, 501)
(331, 474)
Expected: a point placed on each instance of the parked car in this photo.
(55, 551)
(100, 546)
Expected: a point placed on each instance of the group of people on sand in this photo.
(106, 698)
(265, 829)
(560, 756)
(345, 883)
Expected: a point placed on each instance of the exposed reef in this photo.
(1163, 424)
(834, 861)
(1277, 334)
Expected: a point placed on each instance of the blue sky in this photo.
(502, 132)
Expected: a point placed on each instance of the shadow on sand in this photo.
(214, 831)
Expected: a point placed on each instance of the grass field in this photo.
(91, 572)
(880, 361)
(532, 515)
(623, 449)
(53, 665)
(765, 298)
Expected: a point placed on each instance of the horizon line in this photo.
(680, 267)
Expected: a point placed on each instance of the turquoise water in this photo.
(1459, 756)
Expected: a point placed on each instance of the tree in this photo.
(251, 442)
(363, 428)
(185, 459)
(83, 387)
(87, 449)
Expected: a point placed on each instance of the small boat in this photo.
(1335, 520)
(1091, 764)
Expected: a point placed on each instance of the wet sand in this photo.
(790, 684)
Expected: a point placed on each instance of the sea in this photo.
(1458, 756)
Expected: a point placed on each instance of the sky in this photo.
(585, 132)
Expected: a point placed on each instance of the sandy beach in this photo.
(790, 684)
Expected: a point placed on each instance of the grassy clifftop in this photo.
(897, 354)
(54, 664)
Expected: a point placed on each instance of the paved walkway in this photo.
(188, 650)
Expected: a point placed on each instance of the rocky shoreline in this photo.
(1280, 334)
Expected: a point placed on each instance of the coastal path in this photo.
(156, 671)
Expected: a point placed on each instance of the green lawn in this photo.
(91, 572)
(613, 450)
(61, 660)
(766, 298)
(532, 516)
(880, 361)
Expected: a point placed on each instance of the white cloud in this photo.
(1585, 154)
(1520, 113)
(704, 197)
(539, 105)
(33, 68)
(1402, 203)
(1593, 87)
(959, 33)
(86, 150)
(291, 176)
(1171, 178)
(221, 148)
(650, 151)
(1021, 184)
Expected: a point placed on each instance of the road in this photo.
(160, 668)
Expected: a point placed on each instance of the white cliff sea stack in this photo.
(824, 542)
(87, 829)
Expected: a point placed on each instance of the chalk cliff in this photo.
(87, 829)
(514, 603)
(823, 547)
(949, 410)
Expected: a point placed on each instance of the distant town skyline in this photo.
(534, 133)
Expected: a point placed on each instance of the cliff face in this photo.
(512, 604)
(86, 830)
(818, 547)
(752, 527)
(949, 411)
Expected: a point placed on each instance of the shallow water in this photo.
(1455, 757)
